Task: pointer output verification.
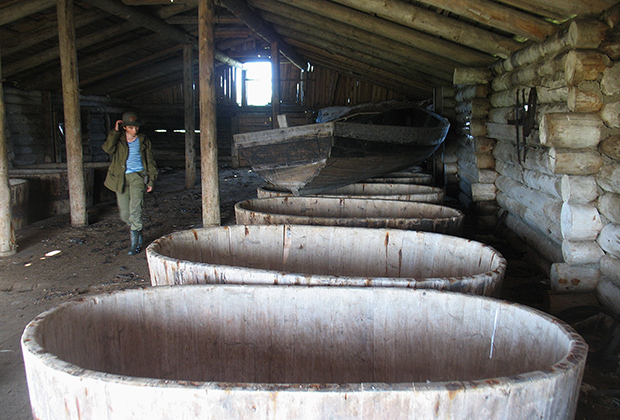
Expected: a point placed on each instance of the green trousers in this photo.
(130, 201)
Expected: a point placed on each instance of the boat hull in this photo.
(314, 158)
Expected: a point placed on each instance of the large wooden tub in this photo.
(354, 212)
(19, 202)
(370, 190)
(283, 353)
(322, 255)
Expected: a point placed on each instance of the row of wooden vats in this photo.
(315, 307)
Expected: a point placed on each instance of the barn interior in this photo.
(531, 90)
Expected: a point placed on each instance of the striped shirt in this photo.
(134, 160)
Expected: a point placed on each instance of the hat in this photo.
(131, 119)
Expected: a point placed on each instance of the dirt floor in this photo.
(94, 259)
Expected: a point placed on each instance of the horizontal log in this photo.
(584, 65)
(531, 216)
(471, 75)
(567, 278)
(611, 44)
(536, 159)
(578, 189)
(609, 206)
(472, 91)
(608, 178)
(608, 294)
(582, 252)
(548, 184)
(550, 207)
(545, 246)
(611, 147)
(508, 132)
(478, 128)
(476, 108)
(507, 114)
(580, 33)
(542, 73)
(610, 267)
(580, 222)
(571, 130)
(610, 114)
(583, 101)
(509, 97)
(478, 192)
(574, 161)
(609, 239)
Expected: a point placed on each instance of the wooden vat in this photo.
(353, 212)
(19, 202)
(325, 255)
(49, 188)
(404, 192)
(282, 353)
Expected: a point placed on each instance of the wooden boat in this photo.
(313, 158)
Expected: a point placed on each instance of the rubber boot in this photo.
(136, 242)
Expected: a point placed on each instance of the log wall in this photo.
(562, 196)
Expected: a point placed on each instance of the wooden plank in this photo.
(22, 9)
(189, 112)
(71, 105)
(208, 133)
(437, 25)
(394, 31)
(7, 238)
(494, 14)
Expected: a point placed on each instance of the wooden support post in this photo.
(275, 84)
(7, 238)
(208, 133)
(71, 103)
(190, 111)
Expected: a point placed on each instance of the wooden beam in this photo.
(53, 53)
(275, 85)
(156, 25)
(240, 9)
(422, 79)
(362, 70)
(208, 133)
(498, 16)
(464, 55)
(7, 237)
(71, 104)
(190, 116)
(23, 8)
(272, 8)
(562, 10)
(438, 25)
(364, 44)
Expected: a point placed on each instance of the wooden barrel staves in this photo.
(352, 212)
(404, 192)
(49, 188)
(325, 255)
(19, 202)
(238, 352)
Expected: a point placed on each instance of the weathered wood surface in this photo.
(189, 106)
(19, 203)
(406, 192)
(371, 352)
(323, 211)
(581, 252)
(7, 235)
(314, 158)
(548, 248)
(580, 222)
(207, 108)
(609, 294)
(315, 255)
(609, 239)
(611, 147)
(609, 206)
(610, 268)
(71, 107)
(567, 278)
(578, 189)
(574, 161)
(572, 130)
(608, 178)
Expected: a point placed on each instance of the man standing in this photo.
(132, 171)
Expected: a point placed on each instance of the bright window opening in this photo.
(257, 83)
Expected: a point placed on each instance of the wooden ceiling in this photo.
(131, 46)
